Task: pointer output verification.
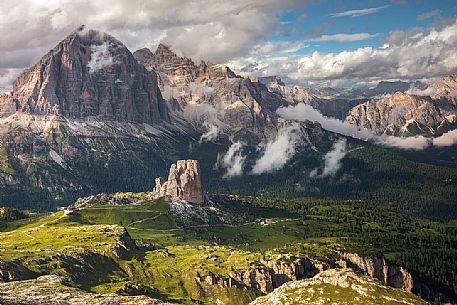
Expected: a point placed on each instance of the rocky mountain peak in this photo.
(178, 71)
(163, 50)
(184, 182)
(173, 69)
(446, 86)
(403, 114)
(90, 73)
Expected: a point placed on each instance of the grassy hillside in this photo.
(171, 256)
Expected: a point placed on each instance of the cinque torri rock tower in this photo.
(184, 182)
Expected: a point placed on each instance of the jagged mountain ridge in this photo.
(446, 87)
(88, 74)
(394, 108)
(406, 114)
(229, 101)
(89, 118)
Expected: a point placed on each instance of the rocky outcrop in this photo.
(283, 272)
(260, 279)
(265, 277)
(53, 289)
(378, 268)
(109, 199)
(183, 183)
(14, 271)
(124, 245)
(336, 286)
(89, 74)
(7, 105)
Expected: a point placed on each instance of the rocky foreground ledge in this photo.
(53, 289)
(341, 286)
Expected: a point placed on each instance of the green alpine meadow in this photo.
(238, 152)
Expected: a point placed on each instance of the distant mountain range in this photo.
(393, 108)
(92, 117)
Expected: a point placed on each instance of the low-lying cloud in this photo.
(212, 131)
(100, 57)
(207, 116)
(447, 139)
(304, 112)
(407, 143)
(332, 160)
(233, 160)
(277, 151)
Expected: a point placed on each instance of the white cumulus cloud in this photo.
(409, 143)
(277, 151)
(218, 30)
(409, 55)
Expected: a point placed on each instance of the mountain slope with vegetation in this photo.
(198, 262)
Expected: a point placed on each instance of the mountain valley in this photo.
(351, 201)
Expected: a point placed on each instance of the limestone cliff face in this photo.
(403, 114)
(212, 92)
(394, 276)
(328, 287)
(408, 114)
(90, 73)
(7, 105)
(184, 182)
(275, 273)
(446, 87)
(265, 277)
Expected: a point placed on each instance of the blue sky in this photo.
(390, 16)
(305, 42)
(358, 43)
